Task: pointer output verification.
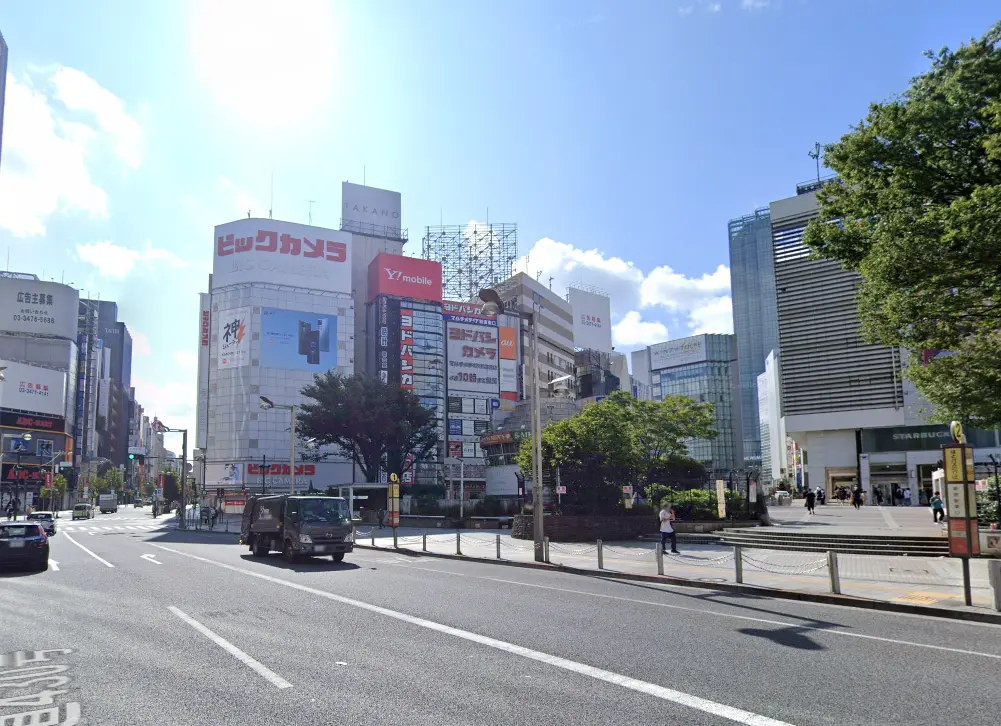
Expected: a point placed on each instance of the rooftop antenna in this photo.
(364, 176)
(538, 275)
(311, 203)
(550, 282)
(248, 214)
(815, 155)
(271, 206)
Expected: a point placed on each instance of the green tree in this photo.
(620, 441)
(373, 423)
(115, 480)
(917, 212)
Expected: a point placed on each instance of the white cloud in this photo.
(754, 4)
(173, 402)
(633, 331)
(686, 10)
(140, 344)
(116, 261)
(714, 7)
(48, 156)
(665, 298)
(186, 359)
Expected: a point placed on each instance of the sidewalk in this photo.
(930, 581)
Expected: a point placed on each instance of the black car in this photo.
(46, 519)
(24, 544)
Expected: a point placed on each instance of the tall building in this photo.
(774, 464)
(407, 348)
(703, 368)
(115, 400)
(3, 88)
(843, 400)
(280, 310)
(755, 317)
(39, 352)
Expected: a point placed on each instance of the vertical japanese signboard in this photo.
(961, 500)
(407, 349)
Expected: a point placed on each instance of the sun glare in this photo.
(269, 63)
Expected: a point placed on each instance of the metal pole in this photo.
(184, 478)
(458, 541)
(538, 525)
(601, 556)
(395, 542)
(738, 563)
(967, 591)
(834, 572)
(291, 478)
(559, 497)
(462, 489)
(660, 560)
(264, 468)
(424, 541)
(498, 547)
(545, 546)
(997, 493)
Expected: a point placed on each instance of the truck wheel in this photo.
(339, 557)
(261, 547)
(287, 552)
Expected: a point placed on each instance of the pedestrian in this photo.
(879, 497)
(214, 514)
(907, 497)
(811, 500)
(857, 497)
(667, 519)
(937, 508)
(382, 518)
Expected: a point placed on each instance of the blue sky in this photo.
(620, 136)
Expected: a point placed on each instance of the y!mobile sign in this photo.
(406, 277)
(281, 253)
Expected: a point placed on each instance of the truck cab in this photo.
(297, 526)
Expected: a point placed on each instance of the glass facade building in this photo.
(710, 378)
(755, 317)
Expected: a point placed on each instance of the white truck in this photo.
(107, 503)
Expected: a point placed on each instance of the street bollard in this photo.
(458, 542)
(372, 532)
(545, 549)
(601, 556)
(994, 577)
(498, 547)
(395, 544)
(424, 541)
(660, 560)
(738, 563)
(832, 570)
(967, 590)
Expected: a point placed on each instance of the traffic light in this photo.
(131, 457)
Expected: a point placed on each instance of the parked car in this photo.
(25, 544)
(46, 519)
(82, 511)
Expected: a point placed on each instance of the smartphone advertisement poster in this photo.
(298, 341)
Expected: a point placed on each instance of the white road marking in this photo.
(715, 613)
(96, 557)
(151, 558)
(268, 674)
(54, 565)
(736, 715)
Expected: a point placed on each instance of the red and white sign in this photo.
(406, 277)
(281, 253)
(407, 349)
(472, 351)
(33, 389)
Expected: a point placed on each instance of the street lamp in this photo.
(267, 404)
(462, 481)
(493, 305)
(162, 428)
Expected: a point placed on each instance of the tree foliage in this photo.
(917, 212)
(373, 423)
(114, 480)
(621, 440)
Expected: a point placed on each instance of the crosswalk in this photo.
(116, 524)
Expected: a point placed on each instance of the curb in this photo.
(816, 597)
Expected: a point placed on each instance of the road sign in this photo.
(137, 450)
(627, 489)
(961, 501)
(721, 498)
(561, 490)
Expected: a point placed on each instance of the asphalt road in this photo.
(190, 629)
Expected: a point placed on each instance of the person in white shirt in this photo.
(667, 518)
(907, 497)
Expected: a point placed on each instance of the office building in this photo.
(755, 317)
(844, 401)
(407, 348)
(114, 372)
(703, 368)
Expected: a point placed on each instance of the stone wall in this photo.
(566, 528)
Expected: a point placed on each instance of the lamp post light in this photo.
(462, 481)
(162, 428)
(267, 404)
(493, 305)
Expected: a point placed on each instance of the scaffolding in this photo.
(472, 256)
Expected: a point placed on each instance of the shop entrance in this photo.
(840, 485)
(889, 480)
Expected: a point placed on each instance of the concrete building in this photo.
(704, 368)
(844, 401)
(755, 317)
(774, 460)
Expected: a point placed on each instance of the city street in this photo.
(161, 626)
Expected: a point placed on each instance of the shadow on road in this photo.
(11, 573)
(308, 564)
(164, 536)
(791, 637)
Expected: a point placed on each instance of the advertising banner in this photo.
(508, 376)
(281, 253)
(368, 209)
(204, 337)
(388, 332)
(234, 338)
(471, 351)
(407, 277)
(36, 421)
(33, 389)
(592, 320)
(677, 352)
(407, 349)
(224, 475)
(298, 341)
(276, 476)
(508, 343)
(38, 308)
(461, 312)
